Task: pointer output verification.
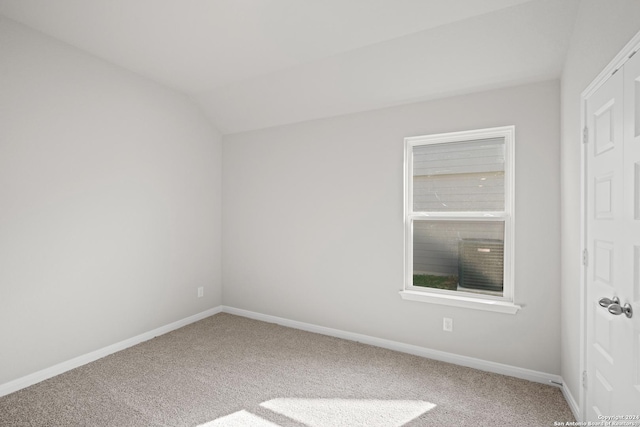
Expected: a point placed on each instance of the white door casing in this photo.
(613, 243)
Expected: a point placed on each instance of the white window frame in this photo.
(502, 304)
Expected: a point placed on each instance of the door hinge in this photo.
(585, 257)
(585, 135)
(584, 379)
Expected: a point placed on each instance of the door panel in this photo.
(603, 194)
(603, 126)
(605, 271)
(613, 241)
(603, 391)
(603, 261)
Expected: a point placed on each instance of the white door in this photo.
(613, 244)
(630, 328)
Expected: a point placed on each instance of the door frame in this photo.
(630, 49)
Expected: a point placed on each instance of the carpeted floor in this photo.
(232, 371)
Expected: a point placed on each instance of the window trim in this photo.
(503, 304)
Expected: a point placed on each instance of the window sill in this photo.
(460, 301)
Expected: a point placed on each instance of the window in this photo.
(459, 222)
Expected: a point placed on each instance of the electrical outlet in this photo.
(200, 291)
(447, 324)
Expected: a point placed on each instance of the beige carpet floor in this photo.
(227, 370)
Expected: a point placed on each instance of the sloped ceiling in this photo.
(259, 63)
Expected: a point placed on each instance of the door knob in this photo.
(606, 302)
(617, 310)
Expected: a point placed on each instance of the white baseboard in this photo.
(575, 409)
(483, 365)
(76, 362)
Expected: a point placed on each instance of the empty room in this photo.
(319, 213)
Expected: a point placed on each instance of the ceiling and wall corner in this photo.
(254, 64)
(512, 46)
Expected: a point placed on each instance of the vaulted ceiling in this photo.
(252, 64)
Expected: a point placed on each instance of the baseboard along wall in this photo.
(60, 368)
(484, 365)
(573, 404)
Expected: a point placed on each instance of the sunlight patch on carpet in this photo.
(349, 412)
(239, 419)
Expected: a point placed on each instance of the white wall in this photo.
(110, 189)
(313, 225)
(601, 30)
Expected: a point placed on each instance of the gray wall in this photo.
(601, 30)
(109, 204)
(313, 225)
